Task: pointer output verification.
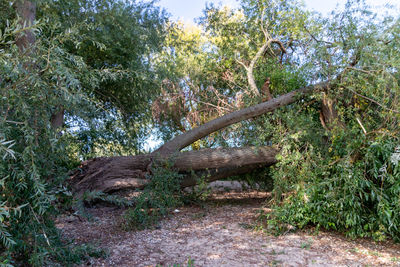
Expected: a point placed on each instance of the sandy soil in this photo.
(221, 234)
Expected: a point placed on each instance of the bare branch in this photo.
(315, 39)
(241, 63)
(260, 52)
(361, 125)
(360, 70)
(211, 105)
(250, 68)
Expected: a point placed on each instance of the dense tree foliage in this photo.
(101, 83)
(107, 71)
(118, 39)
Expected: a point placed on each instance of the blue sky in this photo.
(187, 10)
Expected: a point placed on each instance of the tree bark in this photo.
(57, 119)
(25, 41)
(265, 91)
(26, 11)
(110, 174)
(223, 158)
(329, 115)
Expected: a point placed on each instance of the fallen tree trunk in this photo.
(223, 158)
(110, 174)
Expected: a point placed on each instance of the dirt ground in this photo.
(220, 234)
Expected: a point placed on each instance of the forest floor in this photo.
(220, 233)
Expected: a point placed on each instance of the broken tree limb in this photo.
(187, 138)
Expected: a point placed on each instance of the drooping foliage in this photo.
(34, 165)
(119, 39)
(76, 64)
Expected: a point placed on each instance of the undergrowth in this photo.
(351, 184)
(161, 195)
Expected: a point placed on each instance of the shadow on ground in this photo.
(220, 234)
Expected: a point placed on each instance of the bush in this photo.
(162, 194)
(351, 185)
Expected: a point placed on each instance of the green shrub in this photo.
(354, 187)
(159, 197)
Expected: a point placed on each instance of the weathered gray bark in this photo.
(223, 158)
(110, 174)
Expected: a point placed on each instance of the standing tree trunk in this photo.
(26, 11)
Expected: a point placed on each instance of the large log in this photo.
(223, 158)
(115, 173)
